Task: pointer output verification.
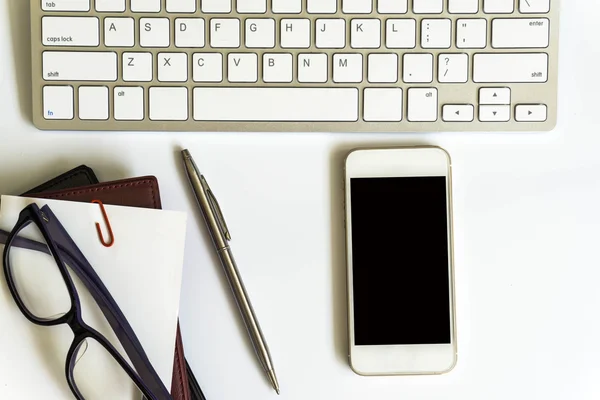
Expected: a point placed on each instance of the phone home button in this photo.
(393, 359)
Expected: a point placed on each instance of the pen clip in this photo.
(214, 204)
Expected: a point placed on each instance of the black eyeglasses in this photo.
(49, 259)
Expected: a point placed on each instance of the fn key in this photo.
(58, 102)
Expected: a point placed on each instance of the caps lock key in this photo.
(70, 31)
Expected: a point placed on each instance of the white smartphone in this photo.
(399, 261)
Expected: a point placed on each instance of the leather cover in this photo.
(78, 176)
(135, 192)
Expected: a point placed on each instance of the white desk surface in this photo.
(527, 212)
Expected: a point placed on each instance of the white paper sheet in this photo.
(142, 270)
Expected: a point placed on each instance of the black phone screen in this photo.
(400, 261)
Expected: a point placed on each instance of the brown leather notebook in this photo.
(135, 192)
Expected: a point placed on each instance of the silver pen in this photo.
(220, 236)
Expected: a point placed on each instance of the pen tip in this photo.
(273, 380)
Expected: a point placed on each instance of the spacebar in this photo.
(275, 104)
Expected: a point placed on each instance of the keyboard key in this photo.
(428, 6)
(119, 32)
(331, 33)
(422, 104)
(489, 113)
(463, 6)
(79, 66)
(531, 113)
(286, 6)
(260, 33)
(275, 104)
(242, 67)
(507, 67)
(392, 6)
(93, 102)
(365, 33)
(208, 67)
(436, 33)
(172, 67)
(347, 68)
(252, 6)
(520, 33)
(168, 103)
(137, 67)
(216, 6)
(277, 67)
(65, 5)
(458, 112)
(128, 103)
(145, 5)
(383, 105)
(295, 33)
(453, 68)
(498, 6)
(401, 34)
(225, 33)
(382, 68)
(181, 6)
(155, 32)
(58, 102)
(189, 32)
(70, 31)
(357, 6)
(312, 68)
(471, 33)
(418, 68)
(321, 6)
(110, 5)
(534, 6)
(494, 96)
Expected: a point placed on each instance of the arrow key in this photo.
(531, 112)
(458, 112)
(494, 95)
(492, 113)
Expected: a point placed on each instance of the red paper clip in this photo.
(107, 222)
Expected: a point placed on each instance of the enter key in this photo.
(520, 33)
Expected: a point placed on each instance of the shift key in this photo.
(510, 67)
(79, 66)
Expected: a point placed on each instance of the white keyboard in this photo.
(295, 65)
